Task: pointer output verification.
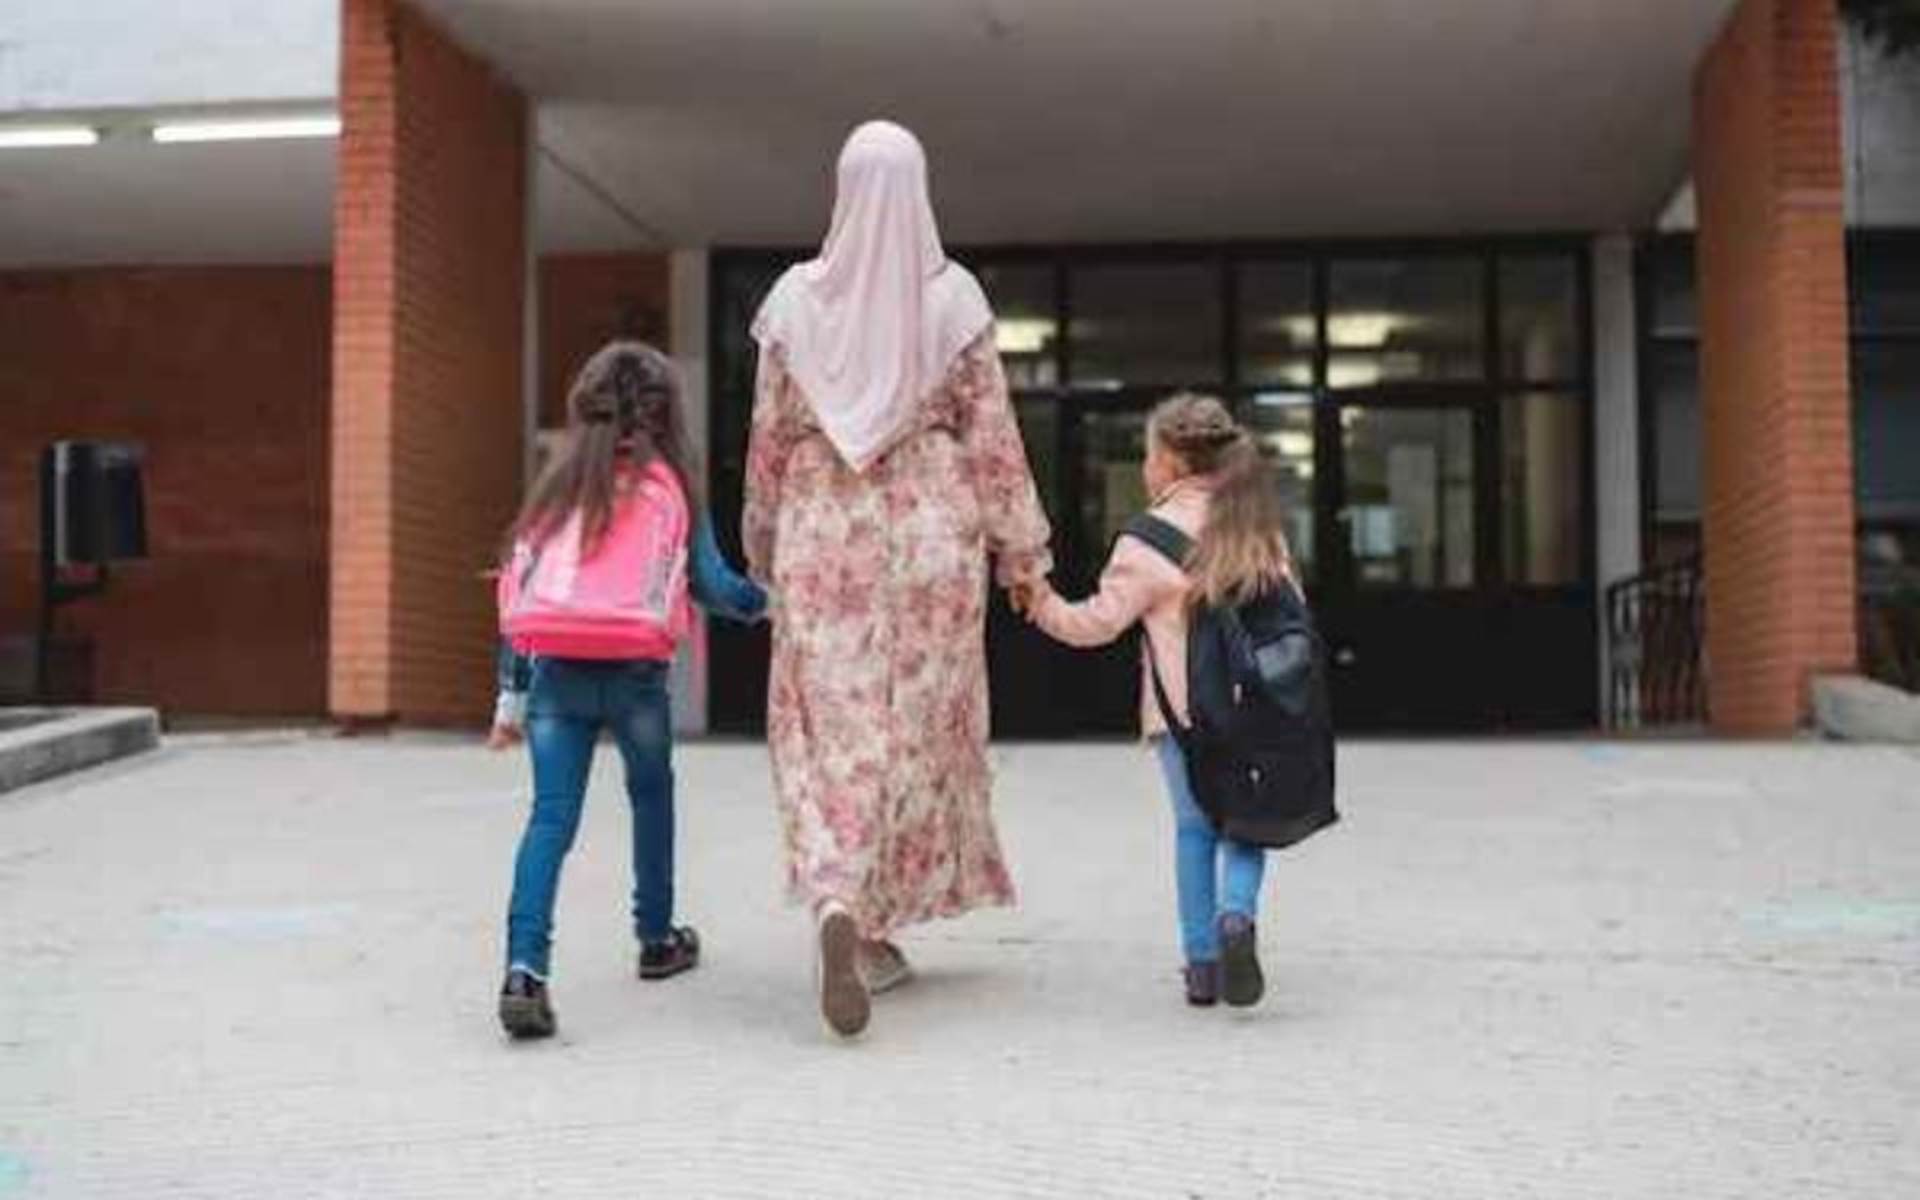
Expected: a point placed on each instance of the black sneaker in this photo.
(678, 951)
(1203, 984)
(1240, 979)
(525, 1012)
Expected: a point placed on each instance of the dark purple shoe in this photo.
(1203, 984)
(678, 951)
(1241, 982)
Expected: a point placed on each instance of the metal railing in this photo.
(1890, 625)
(1656, 667)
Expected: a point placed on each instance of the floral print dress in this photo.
(877, 700)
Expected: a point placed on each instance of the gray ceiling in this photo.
(690, 122)
(717, 120)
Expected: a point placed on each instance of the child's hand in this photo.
(509, 721)
(1028, 595)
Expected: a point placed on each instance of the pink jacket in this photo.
(1139, 586)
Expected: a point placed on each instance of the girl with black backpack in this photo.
(1213, 540)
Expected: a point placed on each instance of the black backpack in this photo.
(1260, 749)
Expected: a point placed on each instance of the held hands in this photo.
(1028, 595)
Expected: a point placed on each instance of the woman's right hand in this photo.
(504, 737)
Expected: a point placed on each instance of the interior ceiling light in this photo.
(1022, 335)
(253, 130)
(33, 137)
(1357, 330)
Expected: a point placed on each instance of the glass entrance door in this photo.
(1404, 609)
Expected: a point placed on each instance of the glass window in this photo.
(1283, 424)
(1886, 285)
(1395, 320)
(1113, 491)
(739, 290)
(1539, 318)
(1670, 290)
(1025, 326)
(1545, 440)
(1674, 374)
(1145, 324)
(1886, 430)
(1409, 513)
(1278, 333)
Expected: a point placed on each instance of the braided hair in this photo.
(623, 411)
(1242, 551)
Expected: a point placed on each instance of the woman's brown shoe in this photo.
(844, 1003)
(883, 967)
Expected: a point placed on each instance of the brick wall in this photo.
(588, 299)
(429, 267)
(222, 372)
(1778, 525)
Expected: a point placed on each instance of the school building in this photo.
(1584, 337)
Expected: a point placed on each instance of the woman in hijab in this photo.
(885, 468)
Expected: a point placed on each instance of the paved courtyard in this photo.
(264, 967)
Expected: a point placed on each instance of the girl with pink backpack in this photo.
(594, 600)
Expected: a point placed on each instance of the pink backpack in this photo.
(626, 600)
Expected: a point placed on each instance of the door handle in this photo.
(1345, 657)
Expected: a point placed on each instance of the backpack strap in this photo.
(1162, 535)
(1173, 544)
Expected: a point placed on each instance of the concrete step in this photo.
(41, 743)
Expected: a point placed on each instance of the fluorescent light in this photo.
(1345, 330)
(260, 129)
(1363, 330)
(1285, 399)
(32, 137)
(1022, 335)
(1350, 374)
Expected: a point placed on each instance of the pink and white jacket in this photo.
(1139, 586)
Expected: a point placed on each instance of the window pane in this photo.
(1886, 430)
(1115, 445)
(1277, 329)
(1670, 288)
(1539, 318)
(1674, 374)
(1146, 324)
(1025, 329)
(1886, 285)
(1391, 320)
(740, 288)
(1409, 511)
(1283, 424)
(1545, 440)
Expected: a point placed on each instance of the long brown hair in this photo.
(1242, 551)
(622, 410)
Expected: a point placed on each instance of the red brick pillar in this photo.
(1778, 525)
(429, 272)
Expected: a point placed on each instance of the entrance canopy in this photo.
(703, 122)
(715, 121)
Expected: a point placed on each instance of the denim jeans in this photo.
(571, 701)
(1212, 874)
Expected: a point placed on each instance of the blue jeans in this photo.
(570, 702)
(1205, 864)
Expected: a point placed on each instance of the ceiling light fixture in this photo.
(36, 137)
(1022, 335)
(254, 130)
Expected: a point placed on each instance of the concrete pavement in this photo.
(264, 967)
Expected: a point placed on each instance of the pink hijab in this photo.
(871, 326)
